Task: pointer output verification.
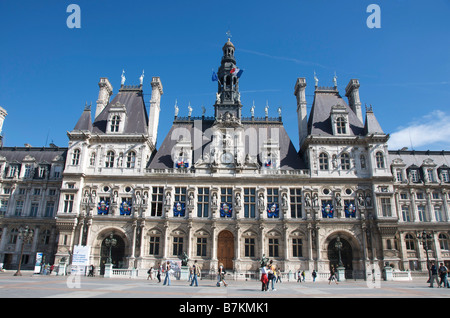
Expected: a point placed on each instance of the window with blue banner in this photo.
(327, 209)
(226, 202)
(350, 208)
(125, 206)
(272, 203)
(179, 206)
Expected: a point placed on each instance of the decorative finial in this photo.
(229, 35)
(189, 109)
(316, 79)
(252, 110)
(335, 79)
(266, 109)
(176, 108)
(141, 79)
(123, 77)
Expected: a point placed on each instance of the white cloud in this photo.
(432, 132)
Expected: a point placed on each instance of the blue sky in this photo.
(49, 71)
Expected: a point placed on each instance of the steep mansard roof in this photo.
(136, 119)
(289, 158)
(319, 122)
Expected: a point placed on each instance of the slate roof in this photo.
(319, 122)
(372, 126)
(289, 158)
(417, 158)
(85, 121)
(42, 155)
(136, 121)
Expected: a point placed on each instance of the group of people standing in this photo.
(442, 272)
(269, 275)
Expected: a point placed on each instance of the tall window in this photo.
(386, 207)
(410, 242)
(430, 175)
(438, 213)
(154, 245)
(201, 246)
(131, 159)
(406, 216)
(13, 235)
(323, 161)
(68, 203)
(340, 126)
(157, 201)
(34, 208)
(345, 161)
(49, 209)
(296, 202)
(3, 207)
(19, 208)
(226, 195)
(109, 163)
(445, 176)
(414, 175)
(379, 159)
(76, 157)
(115, 122)
(274, 245)
(180, 194)
(177, 245)
(297, 247)
(422, 213)
(249, 246)
(249, 202)
(203, 202)
(443, 242)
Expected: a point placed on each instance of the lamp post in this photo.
(425, 237)
(338, 246)
(26, 234)
(110, 243)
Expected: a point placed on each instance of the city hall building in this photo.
(228, 189)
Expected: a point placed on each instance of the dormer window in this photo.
(341, 126)
(115, 122)
(109, 163)
(379, 159)
(76, 157)
(323, 161)
(345, 161)
(131, 159)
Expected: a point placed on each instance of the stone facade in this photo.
(231, 189)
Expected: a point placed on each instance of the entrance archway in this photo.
(117, 253)
(225, 249)
(346, 255)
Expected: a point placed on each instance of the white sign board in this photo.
(37, 265)
(81, 255)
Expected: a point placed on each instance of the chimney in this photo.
(352, 93)
(299, 92)
(104, 94)
(153, 120)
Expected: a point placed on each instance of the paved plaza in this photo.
(38, 286)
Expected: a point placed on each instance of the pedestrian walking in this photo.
(221, 276)
(167, 278)
(332, 276)
(299, 276)
(158, 273)
(314, 275)
(195, 273)
(434, 275)
(277, 273)
(149, 272)
(264, 278)
(190, 273)
(270, 275)
(303, 275)
(443, 275)
(91, 271)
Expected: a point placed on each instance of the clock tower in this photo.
(228, 101)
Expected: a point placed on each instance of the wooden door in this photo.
(225, 249)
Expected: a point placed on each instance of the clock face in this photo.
(227, 157)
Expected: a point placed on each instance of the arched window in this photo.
(410, 242)
(76, 157)
(115, 121)
(323, 161)
(109, 163)
(340, 126)
(345, 161)
(380, 159)
(131, 159)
